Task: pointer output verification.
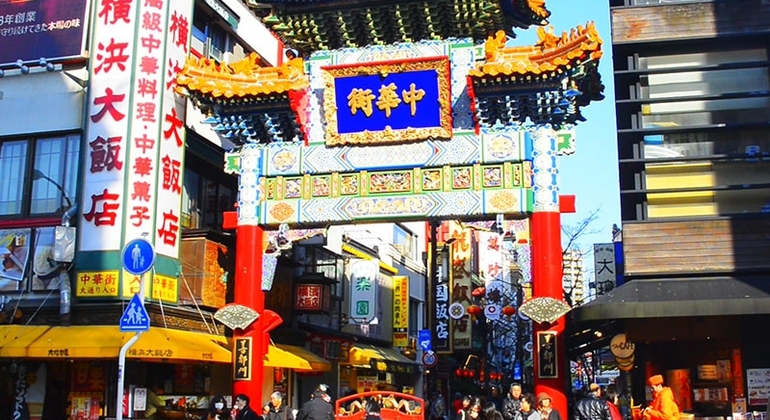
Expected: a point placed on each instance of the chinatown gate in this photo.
(416, 111)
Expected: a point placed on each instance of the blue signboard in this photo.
(34, 29)
(424, 339)
(400, 100)
(135, 317)
(138, 256)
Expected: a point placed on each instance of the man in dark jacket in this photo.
(592, 407)
(316, 408)
(277, 410)
(512, 402)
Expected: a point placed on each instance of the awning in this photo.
(380, 358)
(679, 297)
(104, 342)
(277, 358)
(14, 339)
(317, 363)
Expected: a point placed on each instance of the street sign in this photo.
(424, 339)
(138, 256)
(135, 317)
(429, 359)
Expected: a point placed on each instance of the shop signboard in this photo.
(400, 311)
(242, 359)
(604, 267)
(51, 29)
(363, 290)
(758, 384)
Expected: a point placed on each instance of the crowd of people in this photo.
(596, 404)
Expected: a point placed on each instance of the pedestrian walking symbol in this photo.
(138, 256)
(135, 317)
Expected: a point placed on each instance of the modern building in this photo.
(692, 96)
(574, 280)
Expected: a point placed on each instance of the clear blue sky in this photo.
(591, 174)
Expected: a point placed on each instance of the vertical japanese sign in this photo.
(242, 359)
(400, 311)
(604, 267)
(112, 62)
(546, 354)
(442, 340)
(363, 276)
(144, 119)
(172, 134)
(461, 286)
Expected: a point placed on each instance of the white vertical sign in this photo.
(111, 65)
(604, 267)
(363, 275)
(172, 133)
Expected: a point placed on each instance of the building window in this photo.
(403, 240)
(39, 175)
(205, 197)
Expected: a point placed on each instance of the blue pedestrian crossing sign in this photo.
(138, 256)
(135, 317)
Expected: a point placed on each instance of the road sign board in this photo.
(135, 317)
(138, 256)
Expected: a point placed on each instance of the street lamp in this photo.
(36, 175)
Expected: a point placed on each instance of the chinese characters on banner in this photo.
(172, 134)
(400, 311)
(363, 290)
(461, 286)
(112, 63)
(242, 359)
(604, 267)
(442, 340)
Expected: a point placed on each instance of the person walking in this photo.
(527, 410)
(465, 405)
(437, 408)
(277, 409)
(245, 412)
(218, 409)
(316, 408)
(592, 406)
(547, 412)
(512, 402)
(663, 406)
(612, 401)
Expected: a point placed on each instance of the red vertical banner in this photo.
(736, 365)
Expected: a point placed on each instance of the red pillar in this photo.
(547, 274)
(249, 240)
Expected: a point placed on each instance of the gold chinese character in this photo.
(388, 99)
(361, 99)
(412, 96)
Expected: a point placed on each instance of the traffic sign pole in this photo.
(138, 257)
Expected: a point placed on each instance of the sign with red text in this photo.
(400, 311)
(111, 67)
(172, 133)
(462, 327)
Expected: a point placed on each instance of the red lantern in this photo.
(458, 372)
(473, 310)
(508, 310)
(479, 292)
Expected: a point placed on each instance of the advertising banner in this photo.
(34, 29)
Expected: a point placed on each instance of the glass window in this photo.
(749, 141)
(13, 155)
(205, 199)
(53, 169)
(403, 240)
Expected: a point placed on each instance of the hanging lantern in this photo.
(473, 310)
(458, 372)
(508, 311)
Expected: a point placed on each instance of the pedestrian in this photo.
(592, 406)
(495, 397)
(663, 406)
(547, 412)
(457, 403)
(512, 402)
(465, 405)
(437, 409)
(316, 408)
(474, 411)
(612, 401)
(277, 409)
(218, 409)
(490, 411)
(244, 410)
(527, 410)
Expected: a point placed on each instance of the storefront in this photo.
(72, 371)
(700, 334)
(371, 368)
